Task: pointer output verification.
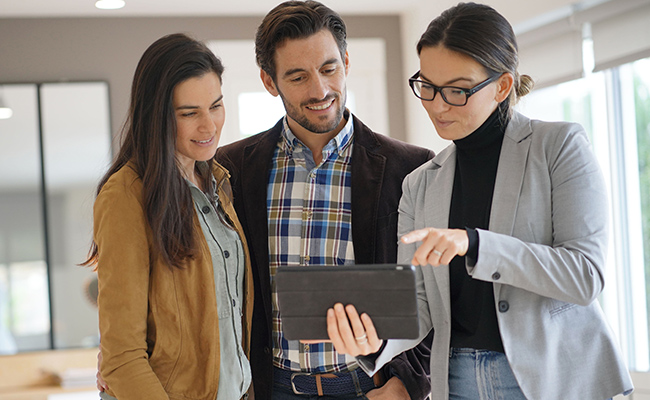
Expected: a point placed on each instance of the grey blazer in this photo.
(544, 252)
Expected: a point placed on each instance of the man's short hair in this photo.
(295, 20)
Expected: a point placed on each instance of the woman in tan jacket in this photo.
(175, 287)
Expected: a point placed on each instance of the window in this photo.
(614, 108)
(53, 150)
(24, 307)
(639, 72)
(266, 108)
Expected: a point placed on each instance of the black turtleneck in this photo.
(473, 314)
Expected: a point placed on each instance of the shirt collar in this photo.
(339, 143)
(204, 168)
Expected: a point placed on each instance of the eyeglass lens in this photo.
(453, 96)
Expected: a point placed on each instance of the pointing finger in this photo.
(416, 235)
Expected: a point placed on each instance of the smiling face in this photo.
(443, 67)
(311, 82)
(199, 112)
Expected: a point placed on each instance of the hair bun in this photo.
(525, 86)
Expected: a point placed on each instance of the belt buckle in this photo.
(293, 384)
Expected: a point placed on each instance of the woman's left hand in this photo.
(438, 246)
(350, 333)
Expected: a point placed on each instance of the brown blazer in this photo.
(159, 325)
(379, 164)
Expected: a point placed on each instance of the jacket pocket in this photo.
(561, 307)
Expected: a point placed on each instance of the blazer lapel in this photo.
(510, 175)
(439, 183)
(367, 176)
(255, 167)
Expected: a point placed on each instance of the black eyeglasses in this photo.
(452, 95)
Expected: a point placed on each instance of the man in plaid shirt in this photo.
(318, 188)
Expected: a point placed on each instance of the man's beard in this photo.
(302, 120)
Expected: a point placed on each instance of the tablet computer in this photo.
(386, 292)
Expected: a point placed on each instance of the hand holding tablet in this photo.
(350, 333)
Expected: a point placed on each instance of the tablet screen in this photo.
(386, 292)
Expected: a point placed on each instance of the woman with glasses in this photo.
(509, 226)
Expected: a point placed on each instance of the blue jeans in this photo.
(481, 375)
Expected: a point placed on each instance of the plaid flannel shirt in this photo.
(310, 223)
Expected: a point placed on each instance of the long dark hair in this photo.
(295, 20)
(480, 32)
(149, 143)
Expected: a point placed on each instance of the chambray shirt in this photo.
(228, 263)
(310, 223)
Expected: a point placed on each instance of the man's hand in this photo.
(350, 333)
(393, 390)
(101, 383)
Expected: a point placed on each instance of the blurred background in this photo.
(65, 73)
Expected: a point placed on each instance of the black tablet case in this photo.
(386, 292)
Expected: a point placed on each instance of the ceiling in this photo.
(517, 11)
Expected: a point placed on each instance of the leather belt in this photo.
(332, 384)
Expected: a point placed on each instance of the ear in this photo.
(267, 80)
(346, 61)
(504, 86)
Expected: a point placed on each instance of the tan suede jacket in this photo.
(159, 325)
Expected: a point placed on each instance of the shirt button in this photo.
(496, 276)
(503, 306)
(226, 254)
(205, 209)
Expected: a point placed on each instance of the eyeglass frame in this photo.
(438, 89)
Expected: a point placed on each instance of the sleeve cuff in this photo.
(472, 251)
(368, 362)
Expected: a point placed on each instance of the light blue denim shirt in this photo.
(228, 263)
